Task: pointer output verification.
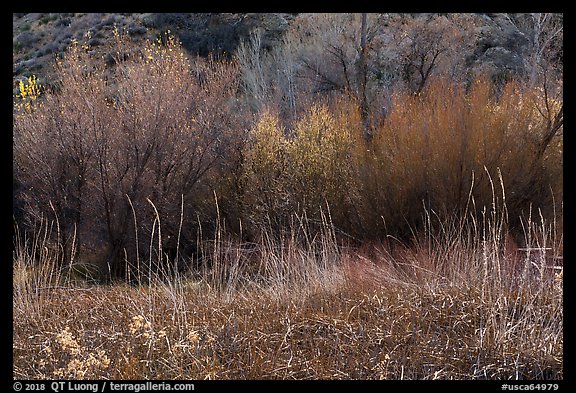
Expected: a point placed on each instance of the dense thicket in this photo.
(139, 161)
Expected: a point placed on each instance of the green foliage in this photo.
(48, 18)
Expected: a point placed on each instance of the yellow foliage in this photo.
(307, 170)
(28, 93)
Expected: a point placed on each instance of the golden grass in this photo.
(303, 311)
(117, 333)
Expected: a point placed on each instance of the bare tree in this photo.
(363, 75)
(252, 61)
(422, 43)
(97, 151)
(545, 31)
(544, 71)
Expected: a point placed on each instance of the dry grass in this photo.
(290, 309)
(263, 285)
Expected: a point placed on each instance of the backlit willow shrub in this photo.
(265, 196)
(458, 153)
(156, 128)
(321, 164)
(446, 149)
(306, 170)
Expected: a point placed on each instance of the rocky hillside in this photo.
(499, 43)
(38, 37)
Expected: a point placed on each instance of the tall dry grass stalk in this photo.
(458, 303)
(38, 267)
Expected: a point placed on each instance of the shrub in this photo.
(321, 166)
(26, 40)
(305, 170)
(446, 149)
(264, 171)
(136, 158)
(104, 156)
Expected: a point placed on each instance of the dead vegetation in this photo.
(308, 312)
(208, 218)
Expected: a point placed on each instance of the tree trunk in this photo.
(363, 77)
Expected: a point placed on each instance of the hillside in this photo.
(38, 37)
(500, 42)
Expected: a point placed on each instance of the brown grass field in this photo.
(463, 309)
